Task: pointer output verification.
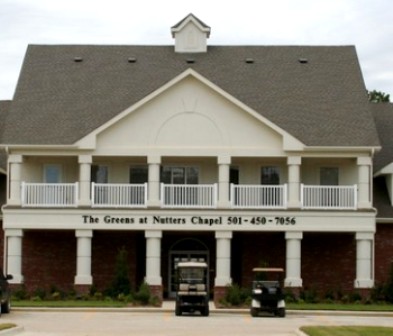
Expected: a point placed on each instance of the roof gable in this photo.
(214, 135)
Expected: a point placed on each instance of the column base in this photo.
(156, 291)
(83, 280)
(82, 289)
(220, 293)
(16, 279)
(364, 283)
(293, 282)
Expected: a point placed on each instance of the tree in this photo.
(378, 97)
(121, 282)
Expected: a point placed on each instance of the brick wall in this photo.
(383, 252)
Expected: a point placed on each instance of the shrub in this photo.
(236, 296)
(121, 282)
(143, 295)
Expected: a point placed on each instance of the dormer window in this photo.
(190, 35)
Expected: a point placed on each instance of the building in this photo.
(240, 156)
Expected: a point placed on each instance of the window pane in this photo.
(166, 175)
(99, 174)
(329, 176)
(270, 175)
(138, 175)
(178, 175)
(192, 175)
(52, 173)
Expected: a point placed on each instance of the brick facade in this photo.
(328, 259)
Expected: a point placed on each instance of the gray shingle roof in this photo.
(383, 115)
(4, 109)
(322, 102)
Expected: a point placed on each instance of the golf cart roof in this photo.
(192, 264)
(268, 269)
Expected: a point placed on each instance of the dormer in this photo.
(190, 35)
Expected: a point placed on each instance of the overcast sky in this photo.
(367, 24)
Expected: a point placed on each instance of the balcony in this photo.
(201, 196)
(329, 197)
(185, 196)
(259, 196)
(105, 195)
(46, 195)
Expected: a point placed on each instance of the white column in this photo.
(15, 168)
(14, 255)
(84, 179)
(223, 258)
(153, 258)
(293, 163)
(364, 260)
(83, 257)
(154, 163)
(364, 181)
(293, 259)
(223, 181)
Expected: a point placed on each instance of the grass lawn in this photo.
(4, 326)
(347, 331)
(69, 304)
(340, 306)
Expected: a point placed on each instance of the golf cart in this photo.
(192, 288)
(267, 292)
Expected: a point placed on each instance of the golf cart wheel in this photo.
(254, 312)
(6, 307)
(205, 311)
(281, 312)
(177, 310)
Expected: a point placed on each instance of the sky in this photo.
(368, 25)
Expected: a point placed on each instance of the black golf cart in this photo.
(192, 288)
(267, 292)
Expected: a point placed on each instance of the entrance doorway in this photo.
(188, 249)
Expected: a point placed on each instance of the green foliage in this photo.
(143, 296)
(237, 296)
(388, 289)
(121, 282)
(378, 97)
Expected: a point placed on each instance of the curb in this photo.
(212, 310)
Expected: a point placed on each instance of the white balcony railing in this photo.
(328, 197)
(259, 196)
(189, 195)
(105, 195)
(49, 194)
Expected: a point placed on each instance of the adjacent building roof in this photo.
(383, 115)
(315, 93)
(4, 108)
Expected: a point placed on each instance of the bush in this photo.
(236, 296)
(121, 282)
(143, 295)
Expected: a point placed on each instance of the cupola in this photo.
(190, 35)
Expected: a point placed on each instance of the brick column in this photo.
(293, 259)
(14, 239)
(364, 260)
(153, 263)
(83, 278)
(223, 264)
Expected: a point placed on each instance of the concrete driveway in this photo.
(87, 322)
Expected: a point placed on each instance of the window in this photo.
(138, 175)
(52, 173)
(270, 175)
(234, 175)
(99, 174)
(180, 175)
(329, 176)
